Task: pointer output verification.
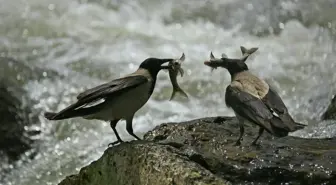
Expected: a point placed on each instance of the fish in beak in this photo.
(175, 69)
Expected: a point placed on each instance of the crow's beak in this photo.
(166, 67)
(214, 63)
(166, 60)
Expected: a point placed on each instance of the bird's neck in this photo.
(236, 73)
(150, 76)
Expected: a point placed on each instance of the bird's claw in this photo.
(255, 144)
(237, 143)
(115, 143)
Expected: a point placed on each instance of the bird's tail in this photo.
(278, 127)
(281, 128)
(70, 113)
(60, 116)
(291, 124)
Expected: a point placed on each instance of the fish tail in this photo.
(172, 95)
(178, 90)
(247, 51)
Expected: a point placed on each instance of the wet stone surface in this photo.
(205, 148)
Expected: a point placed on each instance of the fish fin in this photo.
(180, 91)
(213, 68)
(224, 55)
(182, 58)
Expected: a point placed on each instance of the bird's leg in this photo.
(113, 125)
(241, 128)
(261, 131)
(129, 128)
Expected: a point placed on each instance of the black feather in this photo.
(109, 90)
(273, 101)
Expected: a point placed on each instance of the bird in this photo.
(253, 99)
(116, 100)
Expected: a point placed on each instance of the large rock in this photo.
(141, 163)
(331, 110)
(16, 114)
(13, 139)
(202, 152)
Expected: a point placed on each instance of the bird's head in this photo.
(154, 65)
(232, 65)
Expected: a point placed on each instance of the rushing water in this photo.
(90, 42)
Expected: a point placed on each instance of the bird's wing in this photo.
(107, 90)
(112, 88)
(274, 102)
(249, 107)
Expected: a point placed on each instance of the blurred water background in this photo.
(89, 42)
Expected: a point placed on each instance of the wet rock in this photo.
(142, 162)
(202, 152)
(331, 110)
(16, 108)
(13, 138)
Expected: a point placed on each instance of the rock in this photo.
(16, 111)
(331, 110)
(202, 152)
(15, 105)
(13, 139)
(142, 163)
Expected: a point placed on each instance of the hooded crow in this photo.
(118, 99)
(253, 100)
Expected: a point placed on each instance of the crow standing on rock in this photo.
(119, 99)
(252, 99)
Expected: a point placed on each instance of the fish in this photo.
(174, 70)
(247, 52)
(214, 62)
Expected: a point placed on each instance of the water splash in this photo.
(91, 42)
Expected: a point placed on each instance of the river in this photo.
(90, 42)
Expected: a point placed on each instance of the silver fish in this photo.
(173, 72)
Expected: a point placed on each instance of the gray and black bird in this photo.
(120, 98)
(253, 100)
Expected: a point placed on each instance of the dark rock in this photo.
(143, 162)
(15, 106)
(14, 118)
(331, 110)
(16, 113)
(202, 152)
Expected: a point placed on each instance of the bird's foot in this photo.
(115, 143)
(255, 144)
(238, 143)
